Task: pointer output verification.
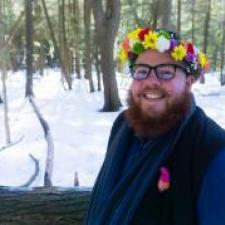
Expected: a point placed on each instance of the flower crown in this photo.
(162, 40)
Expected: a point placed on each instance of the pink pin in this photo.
(164, 179)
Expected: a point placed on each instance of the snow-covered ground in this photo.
(79, 130)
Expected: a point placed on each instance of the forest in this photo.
(81, 38)
(59, 62)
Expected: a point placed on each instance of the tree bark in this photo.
(206, 31)
(87, 50)
(97, 63)
(193, 20)
(166, 16)
(76, 12)
(206, 26)
(106, 25)
(179, 16)
(1, 101)
(222, 75)
(3, 61)
(57, 50)
(155, 12)
(43, 206)
(29, 48)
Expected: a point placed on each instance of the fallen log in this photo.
(43, 205)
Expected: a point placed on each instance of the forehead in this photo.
(153, 57)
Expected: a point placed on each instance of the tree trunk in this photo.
(97, 64)
(206, 27)
(43, 206)
(1, 101)
(193, 20)
(42, 58)
(76, 12)
(87, 40)
(63, 42)
(155, 12)
(29, 48)
(106, 25)
(179, 16)
(222, 75)
(65, 72)
(3, 60)
(206, 32)
(166, 16)
(5, 98)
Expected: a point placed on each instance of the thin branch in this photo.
(14, 29)
(36, 172)
(50, 145)
(11, 144)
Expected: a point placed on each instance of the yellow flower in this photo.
(123, 55)
(134, 34)
(202, 59)
(179, 53)
(150, 40)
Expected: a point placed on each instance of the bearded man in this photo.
(165, 162)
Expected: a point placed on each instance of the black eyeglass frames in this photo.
(162, 71)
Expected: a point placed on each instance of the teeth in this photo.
(153, 95)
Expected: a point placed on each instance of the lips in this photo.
(153, 95)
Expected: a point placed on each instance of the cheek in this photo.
(135, 87)
(177, 87)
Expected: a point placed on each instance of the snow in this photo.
(79, 130)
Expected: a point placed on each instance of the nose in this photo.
(152, 78)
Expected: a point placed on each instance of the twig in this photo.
(49, 140)
(36, 172)
(11, 144)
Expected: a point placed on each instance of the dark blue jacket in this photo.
(135, 199)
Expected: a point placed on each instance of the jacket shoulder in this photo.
(120, 119)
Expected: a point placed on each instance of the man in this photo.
(165, 162)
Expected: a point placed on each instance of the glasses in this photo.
(162, 71)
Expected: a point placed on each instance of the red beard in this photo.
(147, 126)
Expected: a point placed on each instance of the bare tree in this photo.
(65, 71)
(155, 13)
(179, 16)
(166, 14)
(206, 31)
(97, 63)
(206, 26)
(3, 61)
(87, 39)
(76, 17)
(1, 101)
(50, 144)
(106, 24)
(193, 5)
(222, 75)
(29, 48)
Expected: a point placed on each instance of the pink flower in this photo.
(164, 179)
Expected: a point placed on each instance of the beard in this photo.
(149, 125)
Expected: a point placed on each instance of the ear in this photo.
(190, 80)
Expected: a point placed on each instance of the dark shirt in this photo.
(211, 202)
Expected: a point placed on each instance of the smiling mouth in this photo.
(153, 96)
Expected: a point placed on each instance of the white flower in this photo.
(196, 50)
(162, 44)
(132, 42)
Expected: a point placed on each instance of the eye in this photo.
(140, 72)
(166, 72)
